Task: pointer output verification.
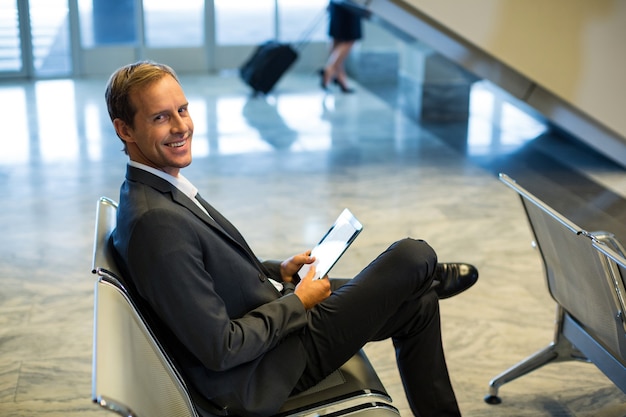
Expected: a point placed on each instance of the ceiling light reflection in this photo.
(16, 133)
(58, 139)
(496, 126)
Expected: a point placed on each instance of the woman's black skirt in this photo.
(343, 25)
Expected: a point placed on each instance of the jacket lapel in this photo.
(215, 220)
(163, 186)
(231, 231)
(227, 226)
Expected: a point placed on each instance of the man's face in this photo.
(162, 132)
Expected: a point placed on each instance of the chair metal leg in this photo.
(559, 350)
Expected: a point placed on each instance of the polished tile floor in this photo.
(281, 168)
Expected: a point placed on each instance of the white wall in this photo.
(572, 48)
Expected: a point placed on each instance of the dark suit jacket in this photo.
(235, 336)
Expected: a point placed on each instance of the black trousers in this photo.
(391, 298)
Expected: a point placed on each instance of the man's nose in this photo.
(179, 124)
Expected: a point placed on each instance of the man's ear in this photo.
(123, 130)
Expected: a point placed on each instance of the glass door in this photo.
(174, 33)
(11, 40)
(35, 38)
(58, 38)
(117, 32)
(241, 25)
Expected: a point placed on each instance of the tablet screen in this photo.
(334, 243)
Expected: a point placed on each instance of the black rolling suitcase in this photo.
(271, 59)
(267, 64)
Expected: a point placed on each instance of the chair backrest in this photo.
(614, 256)
(132, 375)
(106, 218)
(579, 277)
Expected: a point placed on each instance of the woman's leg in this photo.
(335, 66)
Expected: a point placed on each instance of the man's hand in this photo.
(289, 267)
(312, 292)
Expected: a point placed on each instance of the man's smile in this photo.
(177, 144)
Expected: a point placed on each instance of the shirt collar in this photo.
(180, 182)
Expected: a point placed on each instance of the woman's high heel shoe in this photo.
(322, 74)
(344, 88)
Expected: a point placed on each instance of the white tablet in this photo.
(334, 243)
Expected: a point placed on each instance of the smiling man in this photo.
(246, 333)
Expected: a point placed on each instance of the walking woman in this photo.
(344, 28)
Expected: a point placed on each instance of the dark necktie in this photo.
(233, 233)
(223, 223)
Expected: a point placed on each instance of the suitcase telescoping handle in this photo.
(306, 33)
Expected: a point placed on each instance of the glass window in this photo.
(300, 19)
(242, 22)
(49, 25)
(107, 22)
(171, 24)
(10, 52)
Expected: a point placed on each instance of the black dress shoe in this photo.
(454, 278)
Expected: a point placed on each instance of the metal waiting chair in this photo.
(134, 376)
(585, 276)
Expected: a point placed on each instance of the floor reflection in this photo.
(495, 125)
(40, 130)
